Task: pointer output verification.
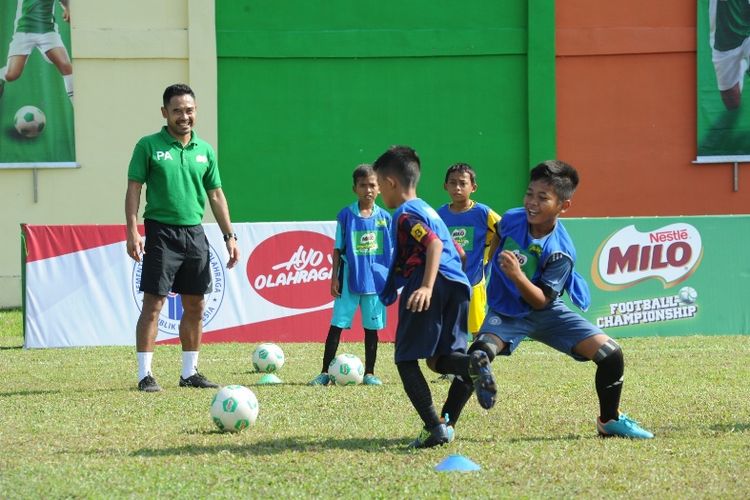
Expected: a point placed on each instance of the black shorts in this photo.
(441, 329)
(176, 259)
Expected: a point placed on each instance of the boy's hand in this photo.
(509, 264)
(419, 300)
(335, 288)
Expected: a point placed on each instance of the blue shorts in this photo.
(441, 329)
(344, 307)
(557, 326)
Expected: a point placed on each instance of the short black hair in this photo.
(561, 176)
(176, 89)
(402, 162)
(362, 170)
(462, 168)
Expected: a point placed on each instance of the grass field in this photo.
(73, 425)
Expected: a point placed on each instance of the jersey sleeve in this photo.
(493, 224)
(138, 167)
(416, 229)
(211, 179)
(339, 244)
(555, 273)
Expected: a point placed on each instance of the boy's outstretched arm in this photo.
(419, 300)
(532, 294)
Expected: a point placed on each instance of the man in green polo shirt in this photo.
(730, 47)
(181, 173)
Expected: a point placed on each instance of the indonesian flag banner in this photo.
(81, 288)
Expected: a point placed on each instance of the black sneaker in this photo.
(484, 382)
(148, 384)
(197, 380)
(428, 438)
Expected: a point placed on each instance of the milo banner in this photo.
(666, 276)
(36, 84)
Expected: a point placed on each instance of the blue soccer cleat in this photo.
(622, 427)
(484, 382)
(321, 379)
(371, 379)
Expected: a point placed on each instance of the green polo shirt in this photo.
(176, 177)
(732, 24)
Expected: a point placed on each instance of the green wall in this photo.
(308, 90)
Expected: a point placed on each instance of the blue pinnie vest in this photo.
(469, 230)
(502, 295)
(450, 260)
(366, 241)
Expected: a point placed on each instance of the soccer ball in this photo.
(29, 121)
(234, 408)
(346, 369)
(268, 358)
(687, 295)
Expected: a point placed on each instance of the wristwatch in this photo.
(229, 236)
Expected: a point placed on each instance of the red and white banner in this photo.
(81, 288)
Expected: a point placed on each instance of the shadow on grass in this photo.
(735, 427)
(274, 446)
(28, 393)
(541, 439)
(11, 347)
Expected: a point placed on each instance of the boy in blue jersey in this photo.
(362, 239)
(532, 268)
(435, 296)
(474, 227)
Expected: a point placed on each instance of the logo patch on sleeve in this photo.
(418, 231)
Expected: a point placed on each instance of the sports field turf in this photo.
(73, 425)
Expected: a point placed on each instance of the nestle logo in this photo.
(664, 236)
(293, 269)
(670, 254)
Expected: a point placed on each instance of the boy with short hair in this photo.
(435, 296)
(532, 268)
(474, 227)
(362, 239)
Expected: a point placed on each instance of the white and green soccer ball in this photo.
(268, 358)
(234, 408)
(29, 121)
(688, 295)
(346, 369)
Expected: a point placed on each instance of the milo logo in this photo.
(463, 236)
(670, 254)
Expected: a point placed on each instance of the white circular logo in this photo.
(171, 313)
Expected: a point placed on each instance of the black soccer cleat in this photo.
(197, 380)
(428, 438)
(148, 384)
(480, 371)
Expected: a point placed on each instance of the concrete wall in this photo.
(124, 55)
(626, 112)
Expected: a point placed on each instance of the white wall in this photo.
(124, 55)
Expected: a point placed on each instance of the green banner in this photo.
(665, 276)
(36, 82)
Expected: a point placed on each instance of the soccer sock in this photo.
(418, 391)
(458, 395)
(371, 350)
(144, 364)
(332, 344)
(455, 363)
(189, 363)
(483, 346)
(609, 377)
(68, 81)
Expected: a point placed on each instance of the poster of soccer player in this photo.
(723, 51)
(36, 84)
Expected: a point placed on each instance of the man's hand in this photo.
(135, 246)
(234, 253)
